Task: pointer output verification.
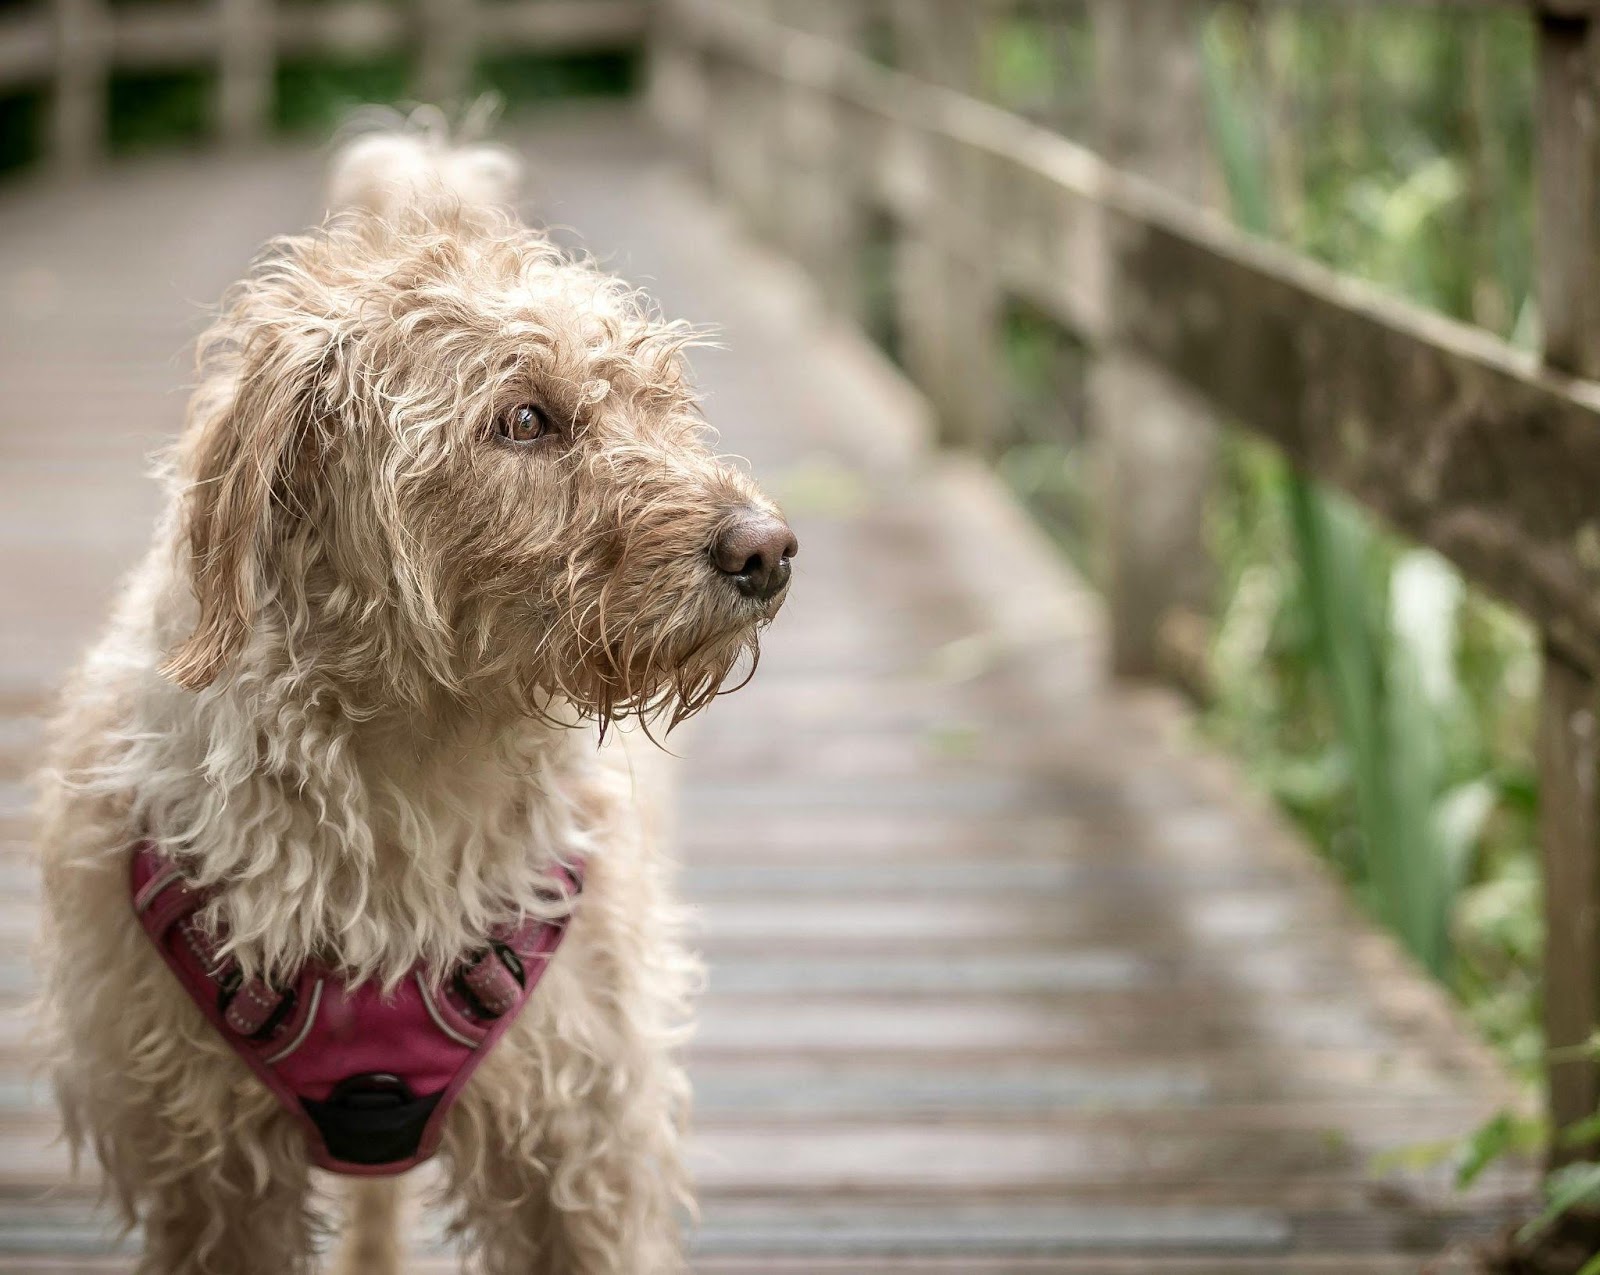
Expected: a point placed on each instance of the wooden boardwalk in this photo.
(1008, 975)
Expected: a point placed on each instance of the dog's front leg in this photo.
(567, 1161)
(595, 1192)
(238, 1212)
(194, 1147)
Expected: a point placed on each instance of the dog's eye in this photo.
(524, 423)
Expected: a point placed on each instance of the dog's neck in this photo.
(376, 838)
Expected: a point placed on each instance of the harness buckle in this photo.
(255, 1009)
(492, 982)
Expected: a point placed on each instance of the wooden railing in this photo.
(1490, 455)
(71, 49)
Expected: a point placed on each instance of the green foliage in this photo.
(1394, 145)
(1040, 62)
(1571, 1187)
(21, 129)
(1340, 672)
(1044, 459)
(160, 109)
(527, 78)
(311, 95)
(1506, 1132)
(1389, 671)
(876, 280)
(1385, 704)
(314, 93)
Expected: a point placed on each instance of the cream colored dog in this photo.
(442, 512)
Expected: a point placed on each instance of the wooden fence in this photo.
(72, 48)
(1485, 453)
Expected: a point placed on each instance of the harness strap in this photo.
(166, 901)
(255, 1008)
(489, 983)
(369, 1072)
(491, 980)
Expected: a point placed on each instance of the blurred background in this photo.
(939, 157)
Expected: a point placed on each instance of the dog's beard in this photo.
(659, 664)
(658, 678)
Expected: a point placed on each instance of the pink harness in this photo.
(370, 1076)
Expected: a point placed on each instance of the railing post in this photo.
(948, 295)
(447, 44)
(675, 84)
(1569, 830)
(82, 77)
(1155, 441)
(823, 223)
(1568, 238)
(244, 69)
(941, 41)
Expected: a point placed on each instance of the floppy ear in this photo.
(241, 460)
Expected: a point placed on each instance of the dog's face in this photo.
(444, 455)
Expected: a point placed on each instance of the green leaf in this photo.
(1504, 1132)
(1584, 1131)
(1459, 816)
(1566, 1189)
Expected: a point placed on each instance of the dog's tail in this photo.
(371, 1241)
(396, 163)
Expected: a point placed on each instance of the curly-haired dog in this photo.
(441, 512)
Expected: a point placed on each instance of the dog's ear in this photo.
(244, 459)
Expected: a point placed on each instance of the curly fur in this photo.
(358, 685)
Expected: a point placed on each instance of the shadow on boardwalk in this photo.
(1006, 975)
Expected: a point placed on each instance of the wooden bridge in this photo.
(1009, 974)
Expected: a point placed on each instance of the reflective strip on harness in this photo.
(368, 1074)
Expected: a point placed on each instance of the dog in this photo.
(442, 516)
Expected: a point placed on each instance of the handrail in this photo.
(74, 46)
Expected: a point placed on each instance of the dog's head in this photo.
(433, 452)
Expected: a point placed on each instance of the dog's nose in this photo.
(754, 551)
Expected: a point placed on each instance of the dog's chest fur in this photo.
(375, 846)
